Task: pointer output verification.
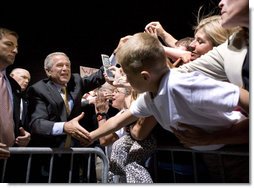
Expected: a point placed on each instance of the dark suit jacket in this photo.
(46, 106)
(16, 93)
(14, 174)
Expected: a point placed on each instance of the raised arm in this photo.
(156, 28)
(101, 108)
(175, 53)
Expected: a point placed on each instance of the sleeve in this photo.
(140, 107)
(58, 128)
(121, 132)
(38, 114)
(211, 64)
(94, 80)
(202, 92)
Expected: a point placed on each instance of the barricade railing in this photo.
(157, 165)
(192, 168)
(31, 151)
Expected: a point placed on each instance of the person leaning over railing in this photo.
(228, 61)
(172, 97)
(219, 64)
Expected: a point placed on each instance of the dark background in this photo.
(84, 30)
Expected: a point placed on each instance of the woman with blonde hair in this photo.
(208, 33)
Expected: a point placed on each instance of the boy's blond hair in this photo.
(142, 52)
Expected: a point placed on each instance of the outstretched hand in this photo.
(74, 129)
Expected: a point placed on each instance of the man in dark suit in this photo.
(22, 77)
(22, 136)
(20, 129)
(8, 52)
(50, 122)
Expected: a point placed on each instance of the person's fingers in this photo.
(79, 117)
(175, 64)
(82, 134)
(22, 131)
(4, 153)
(2, 145)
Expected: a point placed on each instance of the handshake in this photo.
(75, 130)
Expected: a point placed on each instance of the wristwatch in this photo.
(101, 116)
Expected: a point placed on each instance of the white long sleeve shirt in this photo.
(194, 99)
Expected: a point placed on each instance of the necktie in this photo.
(64, 90)
(65, 97)
(6, 115)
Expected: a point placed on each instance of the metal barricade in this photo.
(31, 151)
(191, 169)
(158, 166)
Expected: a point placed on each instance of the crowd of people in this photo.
(195, 88)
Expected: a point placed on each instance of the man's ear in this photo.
(145, 75)
(47, 72)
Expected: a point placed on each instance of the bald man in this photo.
(22, 76)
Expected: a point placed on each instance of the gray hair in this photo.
(48, 62)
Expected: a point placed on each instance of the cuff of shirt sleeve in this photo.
(58, 128)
